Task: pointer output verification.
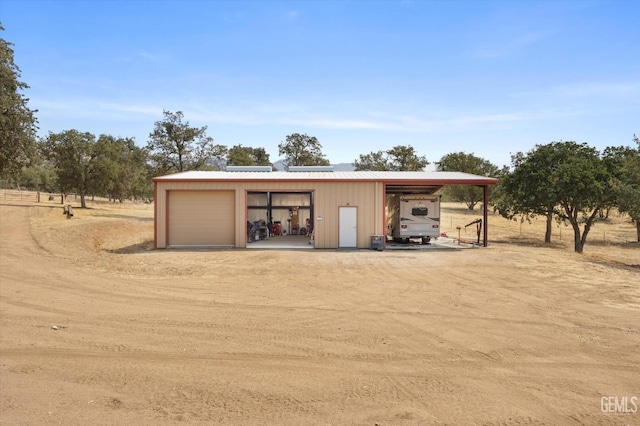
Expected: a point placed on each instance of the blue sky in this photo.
(484, 77)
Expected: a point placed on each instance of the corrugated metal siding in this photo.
(201, 218)
(328, 196)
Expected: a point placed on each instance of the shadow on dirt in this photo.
(614, 263)
(527, 242)
(534, 242)
(55, 206)
(126, 217)
(135, 248)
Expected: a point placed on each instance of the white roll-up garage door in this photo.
(201, 218)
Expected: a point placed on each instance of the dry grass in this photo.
(128, 228)
(119, 237)
(612, 240)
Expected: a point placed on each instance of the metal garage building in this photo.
(212, 208)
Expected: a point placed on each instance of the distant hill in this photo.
(340, 167)
(347, 167)
(343, 167)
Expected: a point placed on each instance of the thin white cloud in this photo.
(599, 89)
(130, 109)
(593, 91)
(346, 124)
(139, 56)
(91, 108)
(285, 114)
(147, 55)
(462, 121)
(510, 45)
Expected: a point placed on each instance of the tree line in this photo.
(568, 182)
(571, 183)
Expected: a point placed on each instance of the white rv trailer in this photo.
(414, 216)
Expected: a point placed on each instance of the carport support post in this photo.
(269, 212)
(485, 215)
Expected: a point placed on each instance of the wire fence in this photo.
(12, 195)
(24, 197)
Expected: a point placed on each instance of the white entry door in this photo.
(348, 227)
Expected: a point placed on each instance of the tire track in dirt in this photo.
(358, 367)
(351, 338)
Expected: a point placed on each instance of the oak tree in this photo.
(398, 158)
(567, 178)
(18, 124)
(77, 162)
(529, 189)
(174, 146)
(626, 180)
(302, 150)
(466, 163)
(247, 156)
(124, 167)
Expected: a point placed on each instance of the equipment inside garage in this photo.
(279, 214)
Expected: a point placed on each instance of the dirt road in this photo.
(98, 330)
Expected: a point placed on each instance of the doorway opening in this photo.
(412, 214)
(280, 219)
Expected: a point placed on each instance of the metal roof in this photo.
(417, 178)
(264, 169)
(310, 169)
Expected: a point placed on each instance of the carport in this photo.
(446, 179)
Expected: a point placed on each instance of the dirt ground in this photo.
(99, 328)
